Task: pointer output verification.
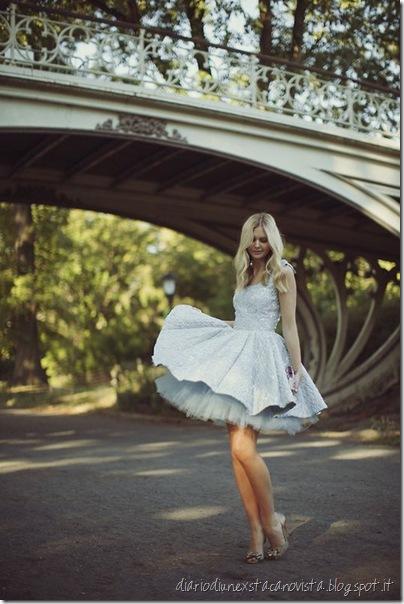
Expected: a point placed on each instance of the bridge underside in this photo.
(202, 194)
(207, 196)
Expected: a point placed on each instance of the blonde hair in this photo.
(273, 265)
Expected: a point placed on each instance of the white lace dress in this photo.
(234, 374)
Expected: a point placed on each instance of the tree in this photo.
(296, 50)
(7, 275)
(98, 288)
(27, 363)
(356, 38)
(266, 26)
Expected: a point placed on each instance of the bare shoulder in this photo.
(286, 267)
(288, 275)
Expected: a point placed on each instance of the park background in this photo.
(82, 303)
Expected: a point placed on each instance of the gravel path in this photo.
(99, 507)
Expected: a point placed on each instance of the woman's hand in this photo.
(294, 378)
(287, 301)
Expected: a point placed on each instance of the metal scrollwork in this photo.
(153, 62)
(353, 350)
(141, 125)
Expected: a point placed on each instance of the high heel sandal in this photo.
(274, 553)
(254, 557)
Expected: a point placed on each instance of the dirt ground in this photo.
(106, 507)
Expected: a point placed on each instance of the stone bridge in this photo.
(150, 126)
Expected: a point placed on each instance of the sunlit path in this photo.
(101, 508)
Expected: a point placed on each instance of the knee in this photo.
(242, 452)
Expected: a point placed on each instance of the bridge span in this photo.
(151, 127)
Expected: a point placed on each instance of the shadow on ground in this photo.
(102, 507)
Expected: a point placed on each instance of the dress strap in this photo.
(286, 263)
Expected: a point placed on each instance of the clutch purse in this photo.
(291, 378)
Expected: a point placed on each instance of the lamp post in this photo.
(169, 287)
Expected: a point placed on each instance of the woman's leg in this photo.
(254, 483)
(247, 495)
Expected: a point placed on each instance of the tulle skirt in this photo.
(228, 375)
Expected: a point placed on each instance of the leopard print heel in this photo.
(274, 553)
(255, 557)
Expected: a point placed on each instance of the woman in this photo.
(242, 373)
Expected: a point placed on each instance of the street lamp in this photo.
(169, 287)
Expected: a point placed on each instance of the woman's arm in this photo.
(287, 303)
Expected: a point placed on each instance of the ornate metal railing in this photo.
(164, 63)
(349, 315)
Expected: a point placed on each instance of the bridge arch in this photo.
(201, 167)
(359, 172)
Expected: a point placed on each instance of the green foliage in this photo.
(135, 388)
(360, 286)
(357, 38)
(98, 287)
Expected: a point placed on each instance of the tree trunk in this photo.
(266, 31)
(296, 49)
(134, 13)
(266, 43)
(27, 365)
(195, 18)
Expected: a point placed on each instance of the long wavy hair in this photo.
(242, 259)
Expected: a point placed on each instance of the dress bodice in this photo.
(257, 306)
